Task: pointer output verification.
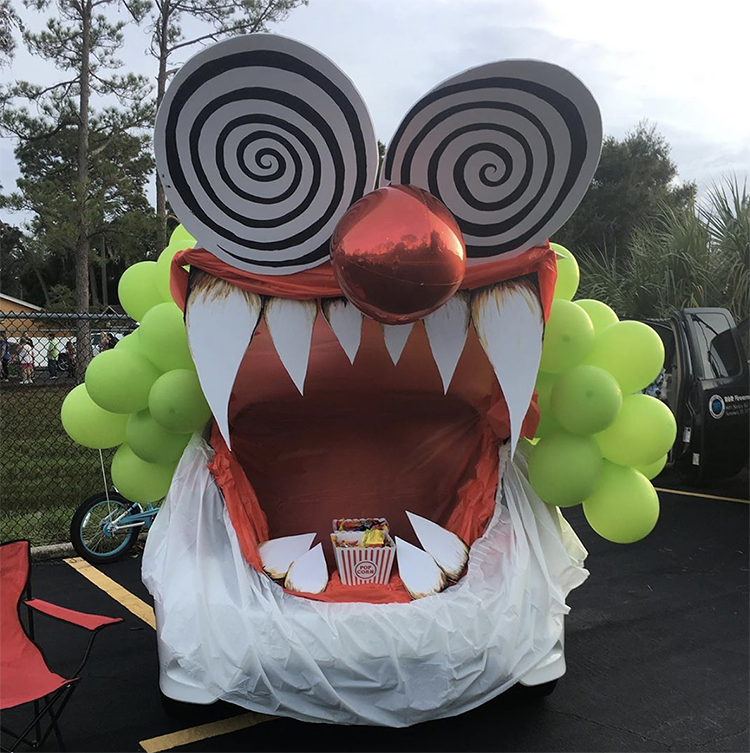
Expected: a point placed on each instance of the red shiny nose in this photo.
(398, 254)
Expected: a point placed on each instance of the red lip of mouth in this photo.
(367, 439)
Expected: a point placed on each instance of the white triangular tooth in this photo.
(309, 573)
(220, 319)
(345, 320)
(558, 255)
(290, 324)
(447, 328)
(447, 549)
(509, 322)
(419, 572)
(278, 554)
(395, 336)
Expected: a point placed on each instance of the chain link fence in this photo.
(44, 475)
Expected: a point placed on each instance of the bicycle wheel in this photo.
(90, 533)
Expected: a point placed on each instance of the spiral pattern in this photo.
(510, 148)
(262, 144)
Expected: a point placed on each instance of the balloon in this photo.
(631, 351)
(652, 470)
(586, 399)
(568, 274)
(151, 442)
(137, 289)
(88, 424)
(163, 338)
(643, 432)
(120, 380)
(138, 480)
(568, 337)
(129, 342)
(398, 254)
(625, 507)
(177, 403)
(600, 314)
(180, 235)
(164, 269)
(564, 469)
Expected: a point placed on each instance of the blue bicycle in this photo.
(106, 526)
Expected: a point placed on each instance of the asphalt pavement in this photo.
(656, 646)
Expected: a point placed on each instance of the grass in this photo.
(44, 475)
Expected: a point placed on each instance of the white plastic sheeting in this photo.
(229, 630)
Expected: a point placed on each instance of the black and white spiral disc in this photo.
(510, 148)
(262, 144)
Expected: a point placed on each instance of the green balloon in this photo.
(120, 380)
(137, 289)
(164, 268)
(181, 235)
(642, 433)
(177, 403)
(625, 507)
(130, 342)
(138, 480)
(564, 469)
(88, 424)
(600, 314)
(586, 400)
(163, 338)
(631, 351)
(151, 442)
(568, 337)
(568, 274)
(652, 470)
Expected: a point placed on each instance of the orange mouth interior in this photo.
(368, 439)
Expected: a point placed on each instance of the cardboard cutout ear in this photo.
(510, 148)
(262, 144)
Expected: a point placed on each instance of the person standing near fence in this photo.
(70, 349)
(53, 352)
(4, 356)
(26, 357)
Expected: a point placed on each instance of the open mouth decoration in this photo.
(331, 414)
(390, 377)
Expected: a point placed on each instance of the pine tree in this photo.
(82, 43)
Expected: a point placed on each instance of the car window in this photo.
(717, 350)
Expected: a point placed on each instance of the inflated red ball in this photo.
(398, 254)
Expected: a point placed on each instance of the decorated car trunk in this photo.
(368, 356)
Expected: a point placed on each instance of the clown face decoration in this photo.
(368, 337)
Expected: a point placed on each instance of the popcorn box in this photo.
(362, 565)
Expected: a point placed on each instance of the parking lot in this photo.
(656, 645)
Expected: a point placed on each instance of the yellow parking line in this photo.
(204, 731)
(144, 612)
(131, 602)
(704, 496)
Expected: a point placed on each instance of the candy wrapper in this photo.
(364, 550)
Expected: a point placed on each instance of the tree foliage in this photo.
(635, 180)
(687, 257)
(59, 141)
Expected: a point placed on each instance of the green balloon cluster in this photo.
(599, 441)
(144, 395)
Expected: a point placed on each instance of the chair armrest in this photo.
(82, 619)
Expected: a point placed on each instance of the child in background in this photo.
(26, 357)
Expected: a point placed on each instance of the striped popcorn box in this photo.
(362, 565)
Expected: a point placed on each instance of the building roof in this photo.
(10, 298)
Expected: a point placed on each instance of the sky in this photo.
(682, 66)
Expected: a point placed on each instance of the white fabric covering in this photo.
(234, 633)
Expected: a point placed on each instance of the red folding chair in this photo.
(24, 674)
